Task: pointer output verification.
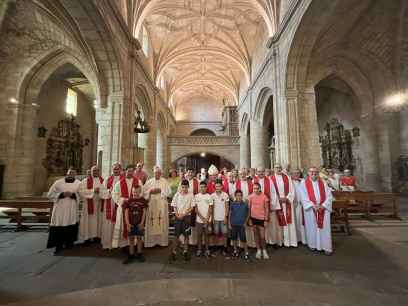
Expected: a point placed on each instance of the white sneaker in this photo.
(258, 254)
(265, 254)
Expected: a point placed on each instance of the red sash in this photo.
(312, 197)
(238, 186)
(225, 186)
(124, 193)
(279, 213)
(110, 211)
(90, 202)
(266, 188)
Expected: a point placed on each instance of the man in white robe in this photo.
(64, 217)
(122, 191)
(299, 214)
(90, 224)
(282, 196)
(317, 204)
(109, 207)
(157, 189)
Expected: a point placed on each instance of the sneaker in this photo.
(235, 253)
(198, 254)
(186, 256)
(128, 260)
(172, 257)
(258, 254)
(207, 253)
(265, 254)
(327, 253)
(58, 251)
(246, 256)
(140, 257)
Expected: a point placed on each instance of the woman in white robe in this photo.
(64, 217)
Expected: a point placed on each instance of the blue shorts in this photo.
(220, 228)
(238, 232)
(136, 231)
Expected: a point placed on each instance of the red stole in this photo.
(250, 186)
(90, 202)
(312, 197)
(124, 193)
(266, 188)
(225, 186)
(279, 213)
(110, 211)
(195, 186)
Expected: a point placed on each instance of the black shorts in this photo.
(238, 232)
(136, 231)
(257, 222)
(183, 227)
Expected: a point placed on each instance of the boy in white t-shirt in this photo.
(220, 214)
(203, 206)
(183, 205)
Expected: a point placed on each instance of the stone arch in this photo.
(243, 127)
(262, 101)
(192, 151)
(143, 101)
(202, 132)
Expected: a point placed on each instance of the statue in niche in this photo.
(64, 148)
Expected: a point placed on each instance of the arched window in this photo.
(202, 132)
(145, 41)
(71, 102)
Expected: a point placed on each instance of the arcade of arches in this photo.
(259, 81)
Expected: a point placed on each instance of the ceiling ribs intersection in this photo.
(203, 47)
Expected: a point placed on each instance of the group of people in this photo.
(245, 208)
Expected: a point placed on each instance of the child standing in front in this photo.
(220, 215)
(183, 205)
(203, 207)
(135, 213)
(238, 218)
(259, 218)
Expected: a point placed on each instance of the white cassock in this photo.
(157, 215)
(108, 220)
(317, 238)
(119, 196)
(90, 224)
(64, 216)
(289, 229)
(299, 217)
(231, 190)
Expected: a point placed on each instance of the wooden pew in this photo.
(339, 216)
(34, 205)
(384, 205)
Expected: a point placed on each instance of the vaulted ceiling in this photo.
(202, 47)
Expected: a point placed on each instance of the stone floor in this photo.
(368, 268)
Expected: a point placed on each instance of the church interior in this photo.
(186, 84)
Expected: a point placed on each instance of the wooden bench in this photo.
(40, 208)
(339, 216)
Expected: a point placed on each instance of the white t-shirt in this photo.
(182, 202)
(219, 205)
(203, 203)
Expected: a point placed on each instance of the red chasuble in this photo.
(312, 197)
(90, 202)
(127, 194)
(110, 211)
(348, 181)
(279, 213)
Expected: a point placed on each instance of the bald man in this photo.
(90, 189)
(157, 190)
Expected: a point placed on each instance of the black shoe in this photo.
(276, 246)
(58, 251)
(186, 256)
(172, 257)
(140, 257)
(69, 245)
(87, 242)
(128, 260)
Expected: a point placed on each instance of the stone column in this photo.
(403, 119)
(244, 150)
(259, 144)
(293, 130)
(150, 149)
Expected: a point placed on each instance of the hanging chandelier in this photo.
(141, 125)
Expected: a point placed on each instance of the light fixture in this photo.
(42, 131)
(203, 154)
(140, 125)
(13, 100)
(396, 100)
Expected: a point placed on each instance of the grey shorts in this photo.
(202, 229)
(220, 228)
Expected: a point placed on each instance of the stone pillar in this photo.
(403, 119)
(160, 148)
(259, 144)
(150, 149)
(293, 130)
(244, 150)
(110, 123)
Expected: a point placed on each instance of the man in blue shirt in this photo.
(238, 217)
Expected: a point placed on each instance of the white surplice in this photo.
(107, 224)
(317, 238)
(65, 210)
(300, 227)
(118, 239)
(90, 226)
(289, 230)
(157, 215)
